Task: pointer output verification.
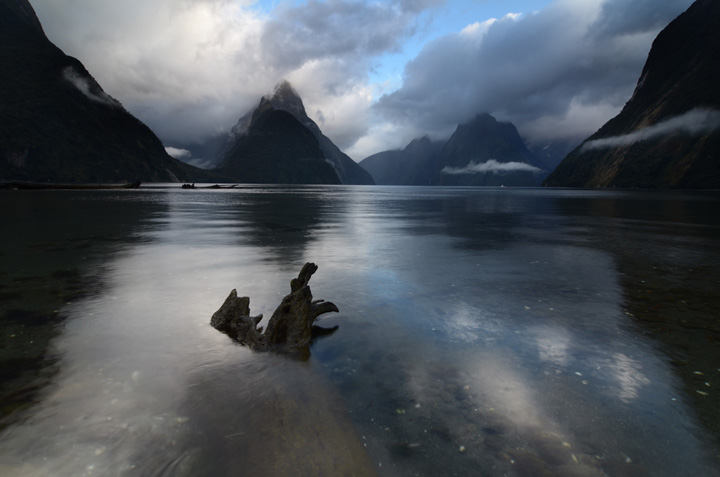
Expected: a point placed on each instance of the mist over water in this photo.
(481, 332)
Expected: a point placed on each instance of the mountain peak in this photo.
(20, 15)
(285, 90)
(487, 152)
(287, 99)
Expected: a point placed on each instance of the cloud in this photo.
(191, 68)
(185, 67)
(337, 29)
(570, 61)
(694, 122)
(88, 87)
(491, 166)
(178, 153)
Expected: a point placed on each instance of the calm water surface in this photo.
(482, 332)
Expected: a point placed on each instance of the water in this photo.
(482, 332)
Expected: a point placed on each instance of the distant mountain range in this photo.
(481, 152)
(56, 122)
(668, 133)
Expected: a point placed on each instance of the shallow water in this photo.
(482, 332)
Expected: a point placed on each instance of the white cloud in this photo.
(694, 122)
(491, 166)
(88, 87)
(339, 103)
(178, 153)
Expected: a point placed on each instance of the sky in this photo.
(373, 75)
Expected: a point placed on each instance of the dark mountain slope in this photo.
(277, 149)
(410, 166)
(56, 122)
(667, 135)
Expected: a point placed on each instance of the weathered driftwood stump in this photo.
(291, 326)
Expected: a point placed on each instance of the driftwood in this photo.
(291, 326)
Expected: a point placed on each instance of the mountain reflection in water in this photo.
(482, 332)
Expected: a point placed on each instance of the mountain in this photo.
(277, 149)
(486, 152)
(56, 122)
(410, 166)
(481, 152)
(285, 98)
(668, 133)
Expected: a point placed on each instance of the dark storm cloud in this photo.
(559, 72)
(338, 29)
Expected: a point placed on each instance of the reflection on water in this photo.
(482, 332)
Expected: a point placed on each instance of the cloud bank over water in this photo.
(694, 122)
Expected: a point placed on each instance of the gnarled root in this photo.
(291, 325)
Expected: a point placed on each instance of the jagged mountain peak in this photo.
(287, 99)
(284, 98)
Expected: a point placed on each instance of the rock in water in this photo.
(290, 328)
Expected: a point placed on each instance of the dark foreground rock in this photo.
(290, 328)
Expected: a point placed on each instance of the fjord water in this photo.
(482, 331)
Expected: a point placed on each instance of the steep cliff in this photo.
(668, 133)
(56, 122)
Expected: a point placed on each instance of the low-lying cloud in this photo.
(88, 87)
(694, 122)
(491, 166)
(178, 153)
(187, 157)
